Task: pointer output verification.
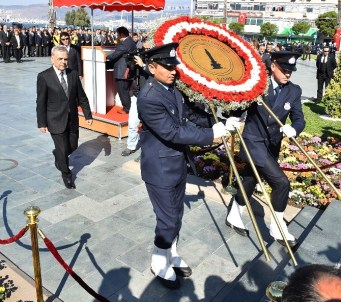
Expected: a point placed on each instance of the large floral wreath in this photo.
(229, 95)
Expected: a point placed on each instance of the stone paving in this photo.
(104, 228)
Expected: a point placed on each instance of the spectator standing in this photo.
(18, 44)
(39, 43)
(266, 58)
(325, 64)
(74, 60)
(5, 38)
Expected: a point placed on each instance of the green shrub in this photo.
(332, 96)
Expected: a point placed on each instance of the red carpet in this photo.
(111, 114)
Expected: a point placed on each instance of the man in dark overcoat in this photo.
(325, 64)
(122, 73)
(165, 135)
(59, 93)
(263, 137)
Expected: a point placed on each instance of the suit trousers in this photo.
(65, 143)
(123, 90)
(6, 53)
(168, 207)
(322, 80)
(274, 176)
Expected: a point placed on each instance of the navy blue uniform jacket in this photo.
(262, 133)
(165, 134)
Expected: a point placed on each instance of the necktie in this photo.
(63, 83)
(171, 89)
(324, 59)
(277, 90)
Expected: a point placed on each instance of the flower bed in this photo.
(307, 186)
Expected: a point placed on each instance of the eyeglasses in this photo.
(326, 51)
(64, 39)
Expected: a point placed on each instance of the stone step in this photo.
(257, 273)
(322, 245)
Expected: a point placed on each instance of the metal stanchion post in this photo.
(32, 214)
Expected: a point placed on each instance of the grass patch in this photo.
(318, 126)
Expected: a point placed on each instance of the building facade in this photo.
(283, 13)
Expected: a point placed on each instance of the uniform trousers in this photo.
(274, 176)
(65, 143)
(168, 206)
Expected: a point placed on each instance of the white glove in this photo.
(288, 131)
(218, 130)
(232, 123)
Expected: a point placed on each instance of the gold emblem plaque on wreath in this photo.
(211, 58)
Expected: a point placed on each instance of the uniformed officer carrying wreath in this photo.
(263, 137)
(164, 137)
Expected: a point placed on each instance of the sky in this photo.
(23, 2)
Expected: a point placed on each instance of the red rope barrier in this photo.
(311, 169)
(55, 253)
(15, 237)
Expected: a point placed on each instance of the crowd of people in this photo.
(19, 42)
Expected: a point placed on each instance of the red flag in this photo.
(242, 18)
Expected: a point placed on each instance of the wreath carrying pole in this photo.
(236, 173)
(338, 193)
(266, 196)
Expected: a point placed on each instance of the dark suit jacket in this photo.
(262, 133)
(14, 41)
(266, 59)
(165, 135)
(5, 38)
(118, 57)
(54, 107)
(75, 62)
(331, 65)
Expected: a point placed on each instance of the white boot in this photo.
(162, 269)
(179, 265)
(234, 219)
(275, 233)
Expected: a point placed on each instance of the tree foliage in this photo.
(300, 27)
(326, 23)
(236, 27)
(268, 30)
(77, 17)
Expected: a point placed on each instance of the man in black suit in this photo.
(59, 93)
(325, 64)
(122, 73)
(74, 62)
(167, 130)
(263, 137)
(266, 58)
(5, 38)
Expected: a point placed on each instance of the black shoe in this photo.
(292, 243)
(67, 179)
(168, 283)
(183, 271)
(127, 152)
(240, 231)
